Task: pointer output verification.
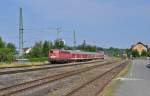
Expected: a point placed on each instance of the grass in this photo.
(108, 90)
(21, 64)
(41, 59)
(32, 63)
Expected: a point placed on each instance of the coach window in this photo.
(64, 52)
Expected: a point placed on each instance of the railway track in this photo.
(49, 79)
(14, 70)
(102, 80)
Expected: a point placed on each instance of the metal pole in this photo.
(21, 32)
(74, 36)
(84, 44)
(58, 31)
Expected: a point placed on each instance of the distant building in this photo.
(140, 47)
(27, 50)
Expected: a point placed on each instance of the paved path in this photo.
(137, 82)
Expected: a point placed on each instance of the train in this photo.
(66, 56)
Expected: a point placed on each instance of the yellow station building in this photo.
(140, 47)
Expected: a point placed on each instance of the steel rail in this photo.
(35, 83)
(43, 68)
(98, 77)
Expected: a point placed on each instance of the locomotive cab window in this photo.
(56, 52)
(50, 51)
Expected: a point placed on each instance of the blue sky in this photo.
(105, 23)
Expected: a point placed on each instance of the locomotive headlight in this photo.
(53, 56)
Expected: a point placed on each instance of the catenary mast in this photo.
(20, 32)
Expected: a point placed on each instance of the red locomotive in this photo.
(61, 55)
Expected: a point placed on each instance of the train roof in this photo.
(78, 51)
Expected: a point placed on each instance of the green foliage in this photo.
(6, 55)
(86, 47)
(115, 52)
(40, 59)
(7, 51)
(37, 50)
(135, 53)
(59, 43)
(100, 49)
(90, 48)
(46, 46)
(40, 49)
(68, 47)
(128, 52)
(148, 53)
(2, 43)
(11, 46)
(144, 53)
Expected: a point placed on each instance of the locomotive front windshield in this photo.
(54, 51)
(51, 51)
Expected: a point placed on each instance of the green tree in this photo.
(90, 48)
(37, 50)
(12, 47)
(59, 43)
(144, 53)
(148, 53)
(2, 43)
(7, 51)
(6, 55)
(68, 47)
(114, 52)
(100, 49)
(46, 46)
(86, 47)
(135, 53)
(128, 52)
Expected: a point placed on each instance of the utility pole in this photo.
(74, 37)
(21, 32)
(58, 31)
(84, 44)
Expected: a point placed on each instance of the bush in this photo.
(144, 53)
(42, 59)
(6, 55)
(135, 53)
